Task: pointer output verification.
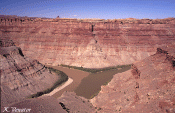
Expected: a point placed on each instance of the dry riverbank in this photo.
(68, 82)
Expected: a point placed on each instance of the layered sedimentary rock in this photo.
(21, 76)
(88, 42)
(148, 87)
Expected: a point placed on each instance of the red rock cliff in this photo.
(147, 87)
(20, 75)
(87, 42)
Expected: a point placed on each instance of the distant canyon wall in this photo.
(92, 43)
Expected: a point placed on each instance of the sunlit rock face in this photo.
(148, 87)
(75, 104)
(92, 43)
(21, 76)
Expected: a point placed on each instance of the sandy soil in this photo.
(68, 82)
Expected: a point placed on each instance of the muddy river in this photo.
(87, 84)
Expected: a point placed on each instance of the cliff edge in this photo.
(90, 43)
(21, 76)
(148, 87)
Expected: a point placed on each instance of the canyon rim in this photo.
(147, 44)
(91, 43)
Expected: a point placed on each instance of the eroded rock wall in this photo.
(88, 42)
(148, 87)
(21, 76)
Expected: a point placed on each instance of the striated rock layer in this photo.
(148, 87)
(21, 76)
(92, 43)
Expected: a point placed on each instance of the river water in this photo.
(86, 84)
(91, 85)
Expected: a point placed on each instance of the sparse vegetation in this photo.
(63, 79)
(95, 70)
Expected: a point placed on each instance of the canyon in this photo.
(27, 44)
(148, 87)
(90, 43)
(20, 75)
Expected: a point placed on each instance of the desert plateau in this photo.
(70, 65)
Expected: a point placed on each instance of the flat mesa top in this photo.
(126, 20)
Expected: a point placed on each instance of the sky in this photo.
(103, 9)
